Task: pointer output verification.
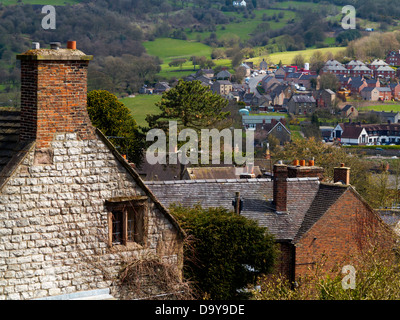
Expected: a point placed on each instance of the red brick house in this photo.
(308, 217)
(393, 58)
(384, 72)
(395, 87)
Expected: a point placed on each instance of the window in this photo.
(126, 220)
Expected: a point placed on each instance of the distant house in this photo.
(325, 98)
(395, 87)
(161, 87)
(354, 135)
(209, 73)
(335, 69)
(354, 63)
(239, 3)
(361, 71)
(251, 121)
(349, 111)
(293, 77)
(388, 117)
(385, 72)
(393, 58)
(374, 65)
(263, 65)
(247, 68)
(280, 74)
(374, 133)
(356, 85)
(224, 75)
(146, 90)
(306, 80)
(302, 104)
(222, 87)
(377, 94)
(370, 93)
(385, 93)
(268, 81)
(277, 94)
(275, 128)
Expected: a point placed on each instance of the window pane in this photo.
(131, 224)
(117, 227)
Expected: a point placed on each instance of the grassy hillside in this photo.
(142, 105)
(169, 49)
(287, 57)
(243, 27)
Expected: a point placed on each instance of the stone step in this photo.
(98, 294)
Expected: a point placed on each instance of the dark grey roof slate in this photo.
(9, 136)
(257, 197)
(326, 196)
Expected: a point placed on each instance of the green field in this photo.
(382, 107)
(142, 105)
(169, 49)
(287, 57)
(242, 27)
(40, 2)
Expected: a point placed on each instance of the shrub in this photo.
(228, 251)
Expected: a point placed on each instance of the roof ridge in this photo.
(208, 181)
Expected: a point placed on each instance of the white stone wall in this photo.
(53, 223)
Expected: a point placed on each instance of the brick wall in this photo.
(343, 230)
(53, 99)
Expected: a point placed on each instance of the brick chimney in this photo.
(341, 174)
(280, 187)
(301, 169)
(54, 93)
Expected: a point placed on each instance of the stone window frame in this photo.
(136, 206)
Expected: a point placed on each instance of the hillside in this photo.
(134, 42)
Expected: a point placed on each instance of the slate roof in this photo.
(385, 68)
(352, 132)
(308, 200)
(326, 196)
(200, 173)
(303, 99)
(9, 135)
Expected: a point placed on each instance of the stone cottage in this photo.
(73, 211)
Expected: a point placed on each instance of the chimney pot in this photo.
(296, 162)
(35, 45)
(55, 45)
(302, 163)
(311, 163)
(71, 45)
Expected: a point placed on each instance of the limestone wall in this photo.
(53, 222)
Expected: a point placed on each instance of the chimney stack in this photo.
(54, 94)
(280, 187)
(299, 169)
(341, 174)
